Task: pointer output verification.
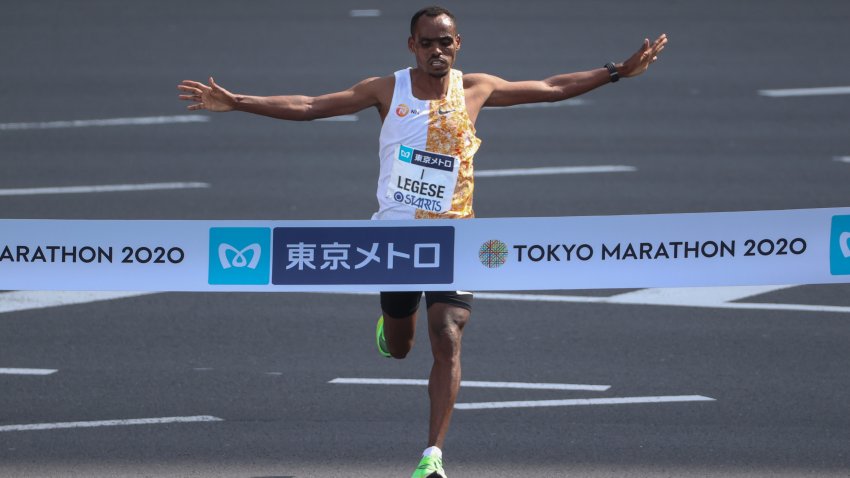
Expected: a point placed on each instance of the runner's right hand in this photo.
(211, 98)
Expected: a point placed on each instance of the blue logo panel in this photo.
(240, 255)
(839, 246)
(405, 153)
(363, 255)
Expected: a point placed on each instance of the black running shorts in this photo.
(404, 304)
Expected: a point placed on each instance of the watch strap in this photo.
(613, 74)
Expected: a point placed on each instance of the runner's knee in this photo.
(446, 329)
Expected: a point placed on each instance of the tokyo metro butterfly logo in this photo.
(839, 247)
(493, 254)
(240, 255)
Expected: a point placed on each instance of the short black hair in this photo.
(432, 11)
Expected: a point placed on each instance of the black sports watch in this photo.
(612, 72)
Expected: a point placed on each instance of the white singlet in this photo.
(426, 151)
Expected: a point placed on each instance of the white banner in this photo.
(806, 246)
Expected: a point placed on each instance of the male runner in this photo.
(430, 111)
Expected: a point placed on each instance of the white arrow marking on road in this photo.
(140, 121)
(474, 384)
(27, 371)
(553, 170)
(843, 159)
(108, 188)
(831, 90)
(108, 423)
(582, 401)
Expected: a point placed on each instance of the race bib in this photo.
(423, 179)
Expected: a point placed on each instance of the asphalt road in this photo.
(696, 129)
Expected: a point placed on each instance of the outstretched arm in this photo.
(493, 91)
(213, 97)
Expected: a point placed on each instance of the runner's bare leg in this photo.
(445, 329)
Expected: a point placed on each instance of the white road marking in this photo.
(140, 121)
(658, 297)
(645, 300)
(707, 296)
(553, 170)
(679, 297)
(109, 423)
(843, 159)
(474, 384)
(582, 401)
(365, 13)
(343, 118)
(571, 102)
(557, 104)
(107, 188)
(28, 300)
(27, 371)
(831, 90)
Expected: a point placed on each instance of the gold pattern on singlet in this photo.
(450, 131)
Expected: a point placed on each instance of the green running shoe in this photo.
(380, 339)
(429, 467)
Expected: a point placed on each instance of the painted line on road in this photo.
(27, 371)
(557, 104)
(843, 159)
(831, 90)
(646, 300)
(109, 423)
(28, 300)
(582, 402)
(553, 170)
(474, 384)
(571, 102)
(649, 301)
(108, 188)
(678, 297)
(367, 13)
(140, 121)
(342, 118)
(693, 295)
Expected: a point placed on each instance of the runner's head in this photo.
(434, 40)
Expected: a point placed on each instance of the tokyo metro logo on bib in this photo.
(839, 246)
(240, 255)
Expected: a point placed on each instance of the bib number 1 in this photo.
(423, 179)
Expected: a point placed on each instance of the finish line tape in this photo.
(804, 246)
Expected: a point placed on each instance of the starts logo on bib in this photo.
(240, 255)
(839, 246)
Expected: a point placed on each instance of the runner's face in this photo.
(435, 43)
